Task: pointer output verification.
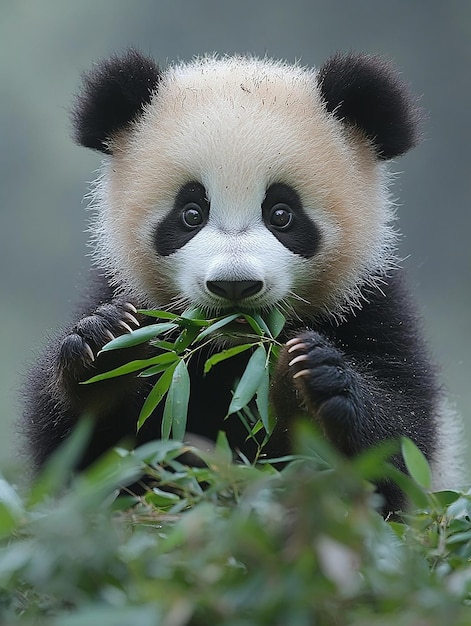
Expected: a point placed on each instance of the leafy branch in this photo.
(178, 339)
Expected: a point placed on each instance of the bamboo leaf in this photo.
(176, 404)
(225, 354)
(217, 325)
(415, 492)
(416, 463)
(141, 335)
(261, 399)
(165, 315)
(163, 345)
(195, 315)
(155, 369)
(161, 499)
(222, 449)
(155, 396)
(250, 380)
(275, 322)
(257, 324)
(133, 366)
(186, 337)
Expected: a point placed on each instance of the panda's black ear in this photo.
(113, 94)
(367, 92)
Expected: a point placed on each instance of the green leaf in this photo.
(58, 469)
(11, 508)
(225, 354)
(141, 335)
(115, 468)
(196, 315)
(217, 325)
(257, 324)
(414, 492)
(162, 360)
(164, 345)
(446, 497)
(186, 337)
(176, 404)
(161, 499)
(155, 396)
(155, 369)
(165, 315)
(250, 381)
(416, 463)
(222, 449)
(245, 418)
(261, 399)
(371, 463)
(275, 322)
(158, 451)
(10, 498)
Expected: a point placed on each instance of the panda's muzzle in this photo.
(234, 290)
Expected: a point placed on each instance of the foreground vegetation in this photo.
(257, 545)
(295, 541)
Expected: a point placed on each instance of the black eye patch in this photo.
(188, 216)
(285, 217)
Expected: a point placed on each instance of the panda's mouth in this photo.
(240, 320)
(241, 325)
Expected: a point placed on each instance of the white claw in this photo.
(89, 351)
(130, 307)
(297, 346)
(125, 326)
(109, 334)
(131, 318)
(297, 359)
(302, 373)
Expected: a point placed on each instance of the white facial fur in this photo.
(238, 125)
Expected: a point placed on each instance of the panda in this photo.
(242, 183)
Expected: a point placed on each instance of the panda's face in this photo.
(236, 189)
(248, 252)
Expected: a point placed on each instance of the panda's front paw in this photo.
(79, 349)
(325, 382)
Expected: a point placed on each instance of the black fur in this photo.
(367, 92)
(172, 233)
(302, 235)
(113, 95)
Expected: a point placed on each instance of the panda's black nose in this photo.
(234, 290)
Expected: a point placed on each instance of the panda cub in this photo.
(243, 183)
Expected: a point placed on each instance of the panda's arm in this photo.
(366, 380)
(55, 397)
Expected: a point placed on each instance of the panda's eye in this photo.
(281, 216)
(192, 215)
(284, 216)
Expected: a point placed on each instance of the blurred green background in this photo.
(43, 176)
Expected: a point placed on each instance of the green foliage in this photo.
(292, 541)
(257, 545)
(170, 365)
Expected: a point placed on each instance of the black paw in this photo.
(79, 349)
(323, 379)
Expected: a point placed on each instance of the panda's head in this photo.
(245, 183)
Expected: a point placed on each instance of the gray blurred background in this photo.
(43, 176)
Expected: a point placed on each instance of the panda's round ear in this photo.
(113, 94)
(366, 91)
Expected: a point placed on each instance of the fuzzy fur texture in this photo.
(242, 182)
(238, 125)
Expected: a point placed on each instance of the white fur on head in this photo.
(237, 125)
